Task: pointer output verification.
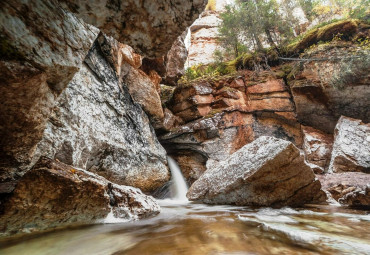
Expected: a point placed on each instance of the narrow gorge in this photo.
(112, 110)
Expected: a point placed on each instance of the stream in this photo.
(183, 227)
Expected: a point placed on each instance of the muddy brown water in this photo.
(189, 228)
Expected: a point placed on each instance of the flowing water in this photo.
(178, 187)
(188, 228)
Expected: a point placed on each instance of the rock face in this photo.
(97, 126)
(221, 116)
(43, 47)
(150, 27)
(317, 147)
(350, 189)
(204, 35)
(175, 60)
(351, 149)
(54, 194)
(266, 172)
(320, 98)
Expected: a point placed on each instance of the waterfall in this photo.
(178, 187)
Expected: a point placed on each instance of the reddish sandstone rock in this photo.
(267, 87)
(351, 148)
(317, 146)
(54, 194)
(266, 172)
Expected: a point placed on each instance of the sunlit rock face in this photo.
(351, 148)
(150, 27)
(204, 39)
(96, 125)
(54, 194)
(43, 47)
(266, 172)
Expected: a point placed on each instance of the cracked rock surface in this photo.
(266, 172)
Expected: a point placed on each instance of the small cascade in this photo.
(178, 188)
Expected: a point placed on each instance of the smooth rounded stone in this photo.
(54, 194)
(150, 27)
(266, 172)
(351, 148)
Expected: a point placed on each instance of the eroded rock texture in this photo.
(351, 149)
(149, 26)
(42, 48)
(266, 172)
(325, 90)
(54, 194)
(221, 116)
(204, 38)
(175, 61)
(348, 188)
(317, 147)
(97, 126)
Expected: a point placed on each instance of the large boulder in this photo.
(96, 125)
(266, 172)
(42, 48)
(150, 26)
(54, 194)
(351, 149)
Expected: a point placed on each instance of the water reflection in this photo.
(198, 229)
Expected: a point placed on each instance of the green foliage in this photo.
(207, 71)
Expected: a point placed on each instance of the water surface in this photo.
(189, 228)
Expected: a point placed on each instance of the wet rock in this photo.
(54, 194)
(317, 147)
(43, 46)
(149, 27)
(347, 188)
(351, 149)
(357, 198)
(96, 125)
(266, 172)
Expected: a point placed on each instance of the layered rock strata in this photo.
(266, 172)
(223, 115)
(54, 194)
(338, 84)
